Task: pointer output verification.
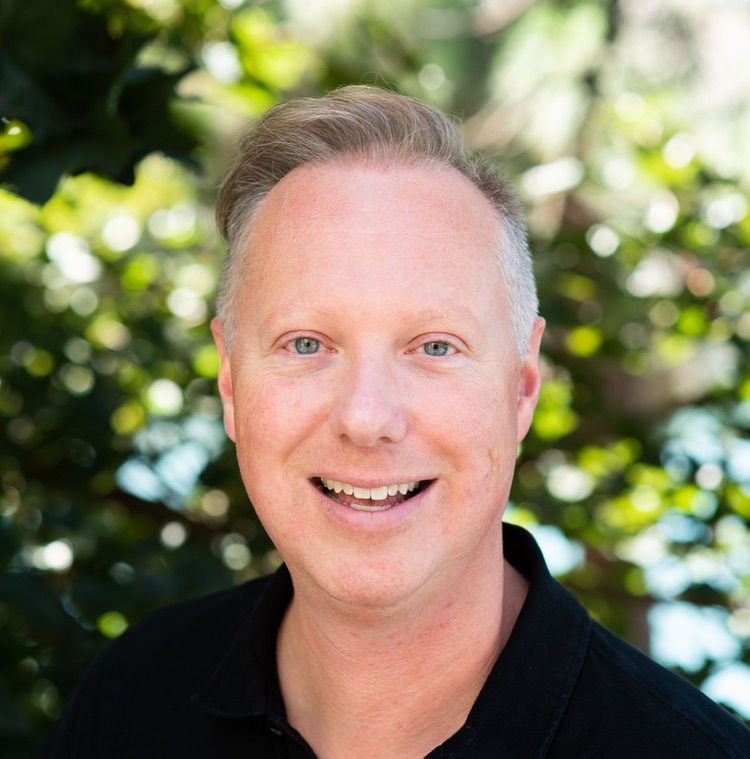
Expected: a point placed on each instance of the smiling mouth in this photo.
(370, 499)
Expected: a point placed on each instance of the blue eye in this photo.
(436, 348)
(306, 345)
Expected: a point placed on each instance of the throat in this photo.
(439, 686)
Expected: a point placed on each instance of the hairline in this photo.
(365, 124)
(239, 254)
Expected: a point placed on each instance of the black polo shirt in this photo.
(199, 680)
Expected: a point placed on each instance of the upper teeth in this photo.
(375, 494)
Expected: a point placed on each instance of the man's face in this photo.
(373, 388)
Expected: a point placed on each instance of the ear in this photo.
(530, 380)
(225, 379)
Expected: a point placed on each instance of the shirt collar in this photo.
(245, 683)
(523, 699)
(533, 679)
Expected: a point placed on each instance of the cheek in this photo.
(273, 415)
(484, 410)
(481, 428)
(271, 437)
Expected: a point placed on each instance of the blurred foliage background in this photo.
(626, 124)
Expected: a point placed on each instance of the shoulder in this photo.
(199, 624)
(595, 692)
(628, 705)
(149, 674)
(227, 606)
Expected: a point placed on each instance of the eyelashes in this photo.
(308, 345)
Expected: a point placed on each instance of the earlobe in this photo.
(224, 379)
(530, 380)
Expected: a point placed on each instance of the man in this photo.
(379, 350)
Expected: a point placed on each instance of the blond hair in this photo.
(364, 122)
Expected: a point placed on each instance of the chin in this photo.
(373, 583)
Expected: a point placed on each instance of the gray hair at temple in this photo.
(364, 122)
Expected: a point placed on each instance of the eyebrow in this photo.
(424, 316)
(451, 311)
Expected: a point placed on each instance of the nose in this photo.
(369, 407)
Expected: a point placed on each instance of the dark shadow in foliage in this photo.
(79, 90)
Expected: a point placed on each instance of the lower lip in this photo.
(386, 519)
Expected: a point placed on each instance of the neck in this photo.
(395, 682)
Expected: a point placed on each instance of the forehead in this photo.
(377, 183)
(365, 227)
